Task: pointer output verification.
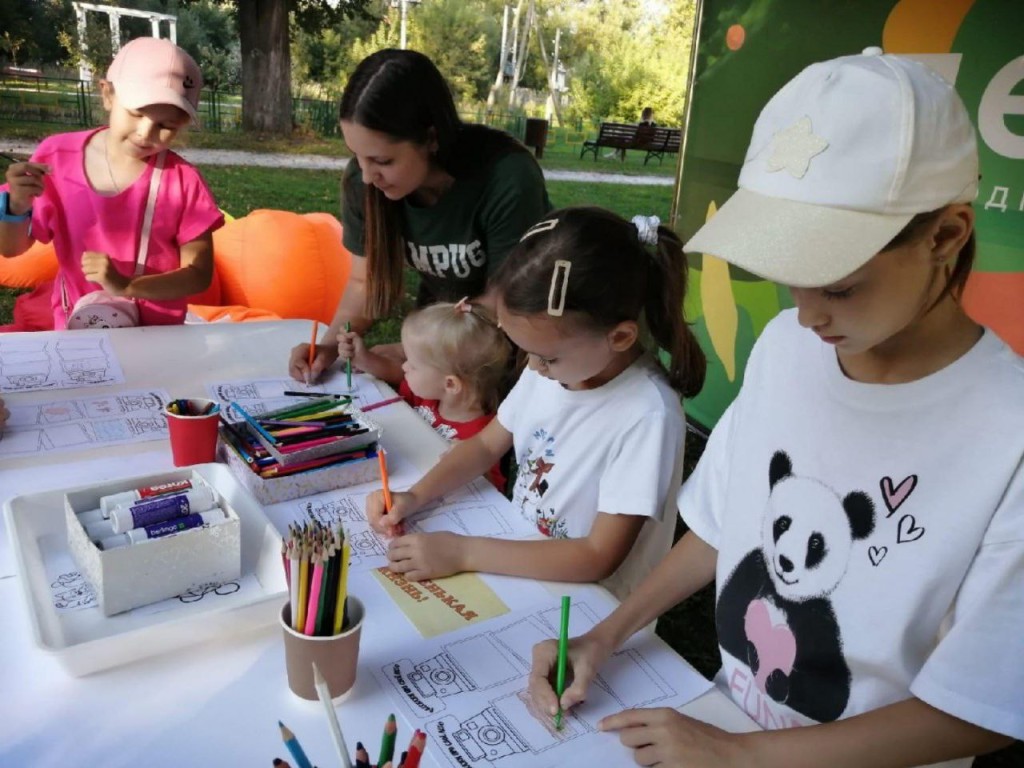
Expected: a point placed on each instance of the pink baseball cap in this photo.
(150, 70)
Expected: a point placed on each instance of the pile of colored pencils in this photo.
(409, 759)
(316, 568)
(277, 444)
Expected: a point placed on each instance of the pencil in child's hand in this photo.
(312, 344)
(563, 649)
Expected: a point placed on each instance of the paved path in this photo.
(321, 162)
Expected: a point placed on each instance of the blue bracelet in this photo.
(5, 211)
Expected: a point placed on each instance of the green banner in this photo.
(748, 49)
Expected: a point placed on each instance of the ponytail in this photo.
(663, 307)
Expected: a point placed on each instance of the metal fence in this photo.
(77, 103)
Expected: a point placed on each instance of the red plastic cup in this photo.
(193, 430)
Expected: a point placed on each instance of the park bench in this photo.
(654, 140)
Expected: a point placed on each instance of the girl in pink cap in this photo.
(130, 220)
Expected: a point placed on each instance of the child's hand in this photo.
(26, 183)
(388, 524)
(351, 347)
(298, 362)
(586, 655)
(98, 268)
(420, 556)
(666, 737)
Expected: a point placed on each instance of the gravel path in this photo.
(320, 162)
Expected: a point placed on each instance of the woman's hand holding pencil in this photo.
(301, 369)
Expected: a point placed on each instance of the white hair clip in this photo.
(562, 268)
(540, 226)
(463, 305)
(647, 228)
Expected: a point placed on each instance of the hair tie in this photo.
(647, 229)
(463, 305)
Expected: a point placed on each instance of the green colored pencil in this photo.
(563, 650)
(387, 742)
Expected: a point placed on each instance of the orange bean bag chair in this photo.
(267, 265)
(291, 264)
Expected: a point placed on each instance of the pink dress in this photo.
(72, 215)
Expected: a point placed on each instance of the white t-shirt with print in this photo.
(616, 449)
(870, 537)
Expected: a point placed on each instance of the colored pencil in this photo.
(563, 650)
(339, 604)
(332, 717)
(300, 622)
(362, 756)
(294, 747)
(387, 741)
(381, 404)
(335, 395)
(416, 747)
(251, 421)
(312, 343)
(314, 596)
(382, 457)
(348, 364)
(293, 582)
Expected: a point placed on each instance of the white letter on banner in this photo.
(997, 102)
(1002, 193)
(440, 260)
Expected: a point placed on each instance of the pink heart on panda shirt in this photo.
(775, 643)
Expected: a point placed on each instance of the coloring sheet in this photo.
(477, 509)
(70, 591)
(84, 422)
(74, 361)
(263, 395)
(467, 690)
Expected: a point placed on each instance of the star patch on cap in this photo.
(793, 148)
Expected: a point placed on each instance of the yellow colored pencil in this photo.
(339, 607)
(300, 622)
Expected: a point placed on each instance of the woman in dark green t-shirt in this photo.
(423, 189)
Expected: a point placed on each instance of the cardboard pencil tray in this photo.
(86, 641)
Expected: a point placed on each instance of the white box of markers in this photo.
(153, 569)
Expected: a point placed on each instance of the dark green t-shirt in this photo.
(458, 242)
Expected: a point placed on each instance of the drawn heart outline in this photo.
(908, 530)
(877, 554)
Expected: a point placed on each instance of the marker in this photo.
(563, 649)
(166, 528)
(294, 747)
(149, 511)
(109, 502)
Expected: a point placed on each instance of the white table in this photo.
(218, 702)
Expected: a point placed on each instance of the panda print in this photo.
(774, 612)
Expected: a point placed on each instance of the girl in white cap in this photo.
(860, 506)
(130, 220)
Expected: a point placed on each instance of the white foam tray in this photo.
(86, 641)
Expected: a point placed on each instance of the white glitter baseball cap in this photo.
(841, 159)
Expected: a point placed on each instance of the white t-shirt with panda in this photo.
(616, 449)
(870, 537)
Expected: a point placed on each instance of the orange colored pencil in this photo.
(382, 456)
(312, 342)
